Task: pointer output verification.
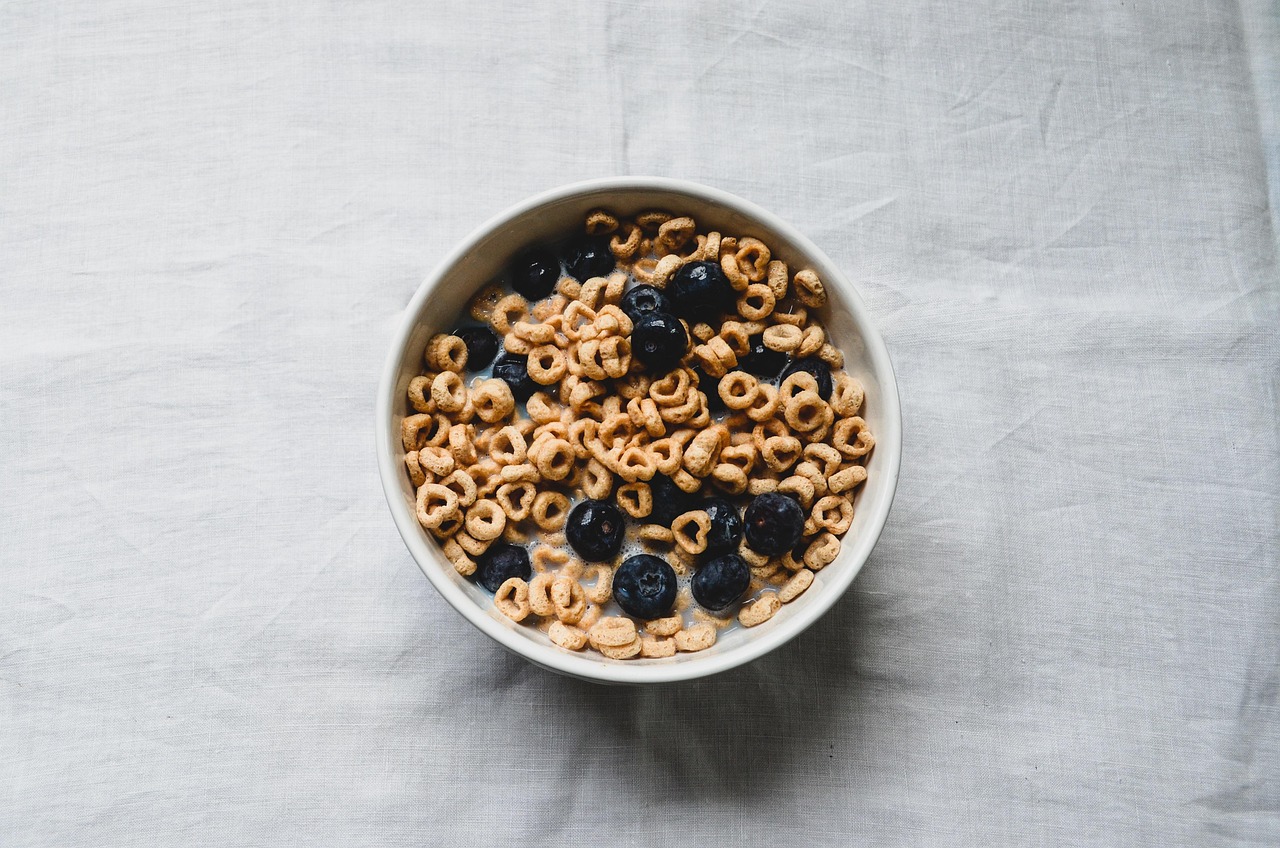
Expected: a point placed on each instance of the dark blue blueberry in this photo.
(701, 292)
(482, 346)
(710, 386)
(645, 586)
(669, 501)
(534, 273)
(513, 369)
(500, 563)
(644, 299)
(774, 524)
(595, 530)
(720, 582)
(820, 370)
(588, 256)
(762, 361)
(726, 526)
(659, 341)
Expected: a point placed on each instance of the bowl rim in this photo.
(585, 666)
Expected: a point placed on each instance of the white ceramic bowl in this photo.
(481, 257)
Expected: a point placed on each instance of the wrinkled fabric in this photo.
(213, 215)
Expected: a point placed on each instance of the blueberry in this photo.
(820, 370)
(589, 256)
(774, 524)
(659, 341)
(513, 369)
(500, 563)
(719, 582)
(595, 530)
(669, 501)
(710, 386)
(726, 526)
(482, 346)
(644, 299)
(645, 586)
(534, 273)
(701, 292)
(762, 361)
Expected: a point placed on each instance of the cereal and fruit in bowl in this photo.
(639, 437)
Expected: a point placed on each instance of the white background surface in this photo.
(211, 216)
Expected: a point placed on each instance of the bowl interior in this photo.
(482, 257)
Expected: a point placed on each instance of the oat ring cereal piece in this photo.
(652, 648)
(547, 364)
(567, 636)
(739, 390)
(753, 258)
(672, 389)
(568, 599)
(797, 382)
(730, 477)
(756, 302)
(602, 589)
(716, 357)
(847, 396)
(416, 475)
(780, 452)
(674, 234)
(635, 499)
(612, 632)
(615, 356)
(732, 270)
(667, 455)
(485, 520)
(783, 338)
(846, 478)
(690, 531)
(436, 460)
(435, 503)
(765, 405)
(776, 279)
(516, 499)
(600, 222)
(462, 444)
(704, 450)
(493, 400)
(761, 611)
(795, 586)
(625, 244)
(540, 594)
(824, 454)
(448, 392)
(446, 353)
(821, 552)
(623, 652)
(807, 412)
(833, 514)
(419, 431)
(656, 533)
(699, 637)
(555, 459)
(420, 394)
(800, 486)
(512, 599)
(853, 438)
(507, 312)
(508, 447)
(651, 220)
(597, 479)
(461, 484)
(809, 289)
(550, 510)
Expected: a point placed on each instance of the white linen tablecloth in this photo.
(213, 214)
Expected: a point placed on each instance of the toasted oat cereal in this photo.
(499, 459)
